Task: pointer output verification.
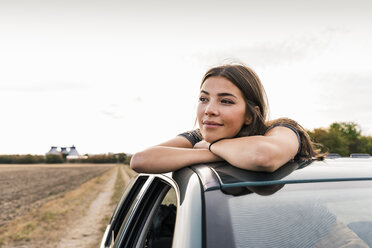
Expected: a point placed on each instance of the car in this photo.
(333, 155)
(360, 155)
(302, 204)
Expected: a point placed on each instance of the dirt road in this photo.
(85, 231)
(24, 187)
(78, 225)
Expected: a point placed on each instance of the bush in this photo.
(127, 159)
(53, 159)
(121, 157)
(6, 159)
(101, 158)
(57, 159)
(22, 159)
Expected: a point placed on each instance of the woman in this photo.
(231, 115)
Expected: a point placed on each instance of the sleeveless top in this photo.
(195, 136)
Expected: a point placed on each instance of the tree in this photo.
(366, 144)
(121, 157)
(330, 141)
(53, 159)
(351, 132)
(343, 138)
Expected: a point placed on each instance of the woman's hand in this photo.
(202, 145)
(259, 152)
(172, 155)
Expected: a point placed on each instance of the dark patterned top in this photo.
(195, 136)
(292, 128)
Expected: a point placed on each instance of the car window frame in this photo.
(147, 224)
(140, 214)
(129, 199)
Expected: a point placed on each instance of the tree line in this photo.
(57, 159)
(343, 138)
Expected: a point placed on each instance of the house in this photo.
(69, 153)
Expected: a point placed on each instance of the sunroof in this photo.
(232, 177)
(228, 174)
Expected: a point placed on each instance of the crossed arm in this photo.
(259, 153)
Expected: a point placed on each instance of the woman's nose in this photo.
(211, 109)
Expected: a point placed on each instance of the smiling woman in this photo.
(221, 110)
(231, 114)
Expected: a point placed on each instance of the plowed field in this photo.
(24, 187)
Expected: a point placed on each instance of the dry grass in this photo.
(118, 189)
(129, 171)
(44, 226)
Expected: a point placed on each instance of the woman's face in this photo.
(221, 110)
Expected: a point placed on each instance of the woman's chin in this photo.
(212, 136)
(211, 139)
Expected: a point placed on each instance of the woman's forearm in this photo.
(161, 159)
(251, 153)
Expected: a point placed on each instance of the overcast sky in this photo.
(119, 76)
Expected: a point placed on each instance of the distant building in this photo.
(70, 153)
(73, 153)
(64, 150)
(53, 151)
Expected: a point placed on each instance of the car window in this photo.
(333, 214)
(123, 209)
(161, 227)
(152, 222)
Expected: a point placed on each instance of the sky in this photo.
(120, 76)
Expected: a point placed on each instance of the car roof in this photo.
(222, 175)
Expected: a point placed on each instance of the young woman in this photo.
(232, 122)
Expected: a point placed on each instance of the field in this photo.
(51, 205)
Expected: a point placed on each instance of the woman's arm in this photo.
(170, 156)
(259, 153)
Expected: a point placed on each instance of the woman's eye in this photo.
(202, 99)
(227, 101)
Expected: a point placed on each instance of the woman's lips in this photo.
(211, 124)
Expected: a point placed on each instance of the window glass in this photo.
(124, 208)
(333, 214)
(160, 232)
(151, 222)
